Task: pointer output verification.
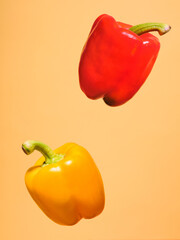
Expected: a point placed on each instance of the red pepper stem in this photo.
(149, 27)
(49, 155)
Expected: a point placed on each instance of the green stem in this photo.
(149, 27)
(49, 155)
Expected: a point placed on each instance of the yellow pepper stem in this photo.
(50, 157)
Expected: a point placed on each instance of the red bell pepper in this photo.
(117, 58)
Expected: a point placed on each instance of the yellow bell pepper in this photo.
(65, 183)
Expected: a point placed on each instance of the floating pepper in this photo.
(117, 58)
(65, 183)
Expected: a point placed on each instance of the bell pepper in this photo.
(65, 183)
(117, 58)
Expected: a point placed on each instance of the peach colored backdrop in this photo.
(136, 146)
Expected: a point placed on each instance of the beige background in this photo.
(136, 146)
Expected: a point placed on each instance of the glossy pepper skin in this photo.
(115, 61)
(67, 187)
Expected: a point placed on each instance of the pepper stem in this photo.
(49, 155)
(149, 27)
